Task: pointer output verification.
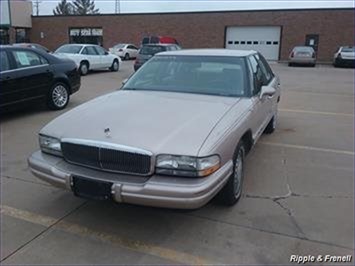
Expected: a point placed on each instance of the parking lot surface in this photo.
(298, 192)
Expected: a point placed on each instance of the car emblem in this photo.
(107, 132)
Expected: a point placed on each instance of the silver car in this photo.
(344, 56)
(302, 55)
(175, 135)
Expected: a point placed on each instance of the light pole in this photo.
(36, 5)
(118, 6)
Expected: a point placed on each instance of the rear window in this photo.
(303, 49)
(348, 49)
(151, 50)
(120, 45)
(5, 65)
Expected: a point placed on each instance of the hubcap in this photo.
(84, 69)
(60, 96)
(238, 173)
(115, 65)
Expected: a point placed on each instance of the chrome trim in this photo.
(22, 68)
(108, 145)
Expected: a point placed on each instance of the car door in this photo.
(269, 80)
(10, 91)
(105, 58)
(34, 75)
(92, 56)
(133, 51)
(260, 106)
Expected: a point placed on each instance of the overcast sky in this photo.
(135, 6)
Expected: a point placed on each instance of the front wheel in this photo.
(126, 56)
(270, 128)
(84, 68)
(232, 191)
(58, 97)
(115, 66)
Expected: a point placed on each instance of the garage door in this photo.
(264, 39)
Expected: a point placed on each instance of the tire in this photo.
(115, 66)
(232, 191)
(84, 68)
(58, 96)
(313, 65)
(270, 128)
(290, 64)
(126, 56)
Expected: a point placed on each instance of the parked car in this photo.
(33, 45)
(89, 57)
(148, 50)
(158, 39)
(29, 76)
(124, 50)
(174, 136)
(302, 55)
(344, 56)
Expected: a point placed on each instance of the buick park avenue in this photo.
(176, 134)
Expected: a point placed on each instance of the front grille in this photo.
(106, 158)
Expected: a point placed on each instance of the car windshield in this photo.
(212, 75)
(303, 49)
(348, 49)
(69, 49)
(120, 45)
(151, 50)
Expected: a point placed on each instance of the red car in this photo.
(158, 39)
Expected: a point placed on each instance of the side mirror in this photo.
(106, 53)
(124, 81)
(267, 91)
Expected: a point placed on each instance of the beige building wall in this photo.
(21, 11)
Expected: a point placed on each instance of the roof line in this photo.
(205, 12)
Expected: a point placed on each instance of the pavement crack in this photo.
(44, 231)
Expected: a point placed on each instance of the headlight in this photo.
(186, 165)
(50, 145)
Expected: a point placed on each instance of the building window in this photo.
(86, 35)
(4, 36)
(255, 42)
(21, 36)
(230, 42)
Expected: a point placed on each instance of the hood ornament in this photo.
(107, 132)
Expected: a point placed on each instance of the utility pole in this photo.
(118, 6)
(36, 5)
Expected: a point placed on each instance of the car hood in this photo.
(160, 122)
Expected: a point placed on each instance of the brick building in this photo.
(273, 32)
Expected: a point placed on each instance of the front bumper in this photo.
(157, 191)
(344, 62)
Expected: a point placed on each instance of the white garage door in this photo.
(264, 39)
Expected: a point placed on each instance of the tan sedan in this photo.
(175, 135)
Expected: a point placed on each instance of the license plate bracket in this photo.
(91, 189)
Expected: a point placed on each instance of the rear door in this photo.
(10, 92)
(34, 75)
(92, 56)
(132, 50)
(105, 58)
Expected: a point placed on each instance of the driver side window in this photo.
(258, 76)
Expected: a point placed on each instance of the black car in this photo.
(148, 50)
(29, 75)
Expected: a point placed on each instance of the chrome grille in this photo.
(109, 159)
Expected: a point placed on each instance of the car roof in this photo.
(211, 52)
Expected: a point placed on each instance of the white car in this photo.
(344, 56)
(89, 57)
(125, 50)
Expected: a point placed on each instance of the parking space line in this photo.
(138, 246)
(351, 153)
(315, 112)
